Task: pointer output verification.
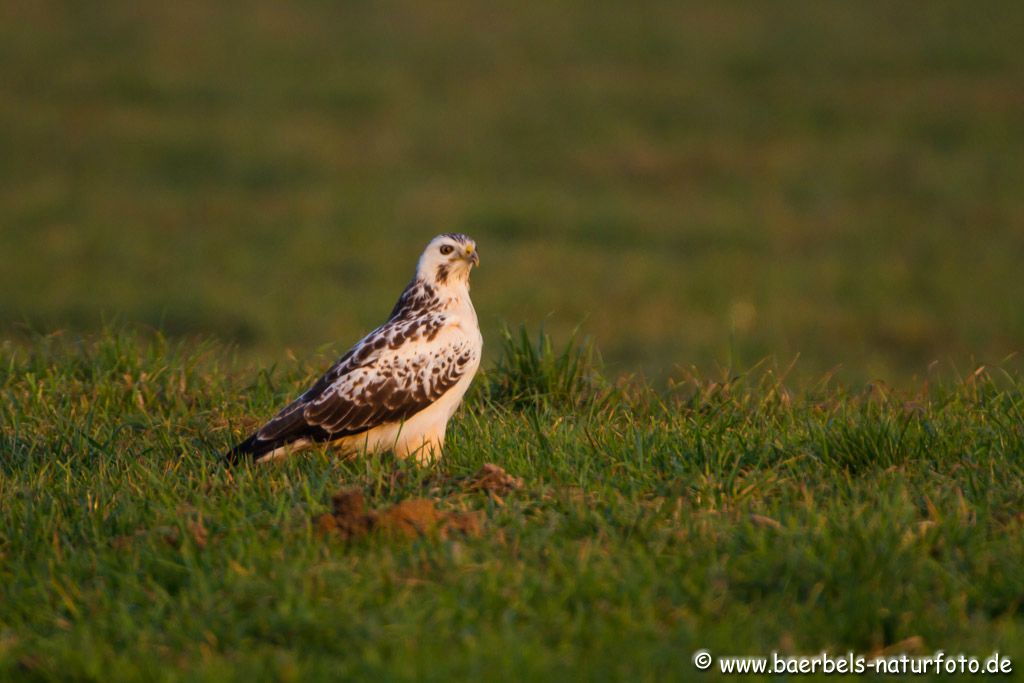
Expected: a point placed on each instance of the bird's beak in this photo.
(472, 255)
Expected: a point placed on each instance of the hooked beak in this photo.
(472, 255)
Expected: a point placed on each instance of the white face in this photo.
(448, 259)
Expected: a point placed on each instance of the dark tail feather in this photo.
(246, 450)
(253, 449)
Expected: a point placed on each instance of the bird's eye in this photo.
(447, 249)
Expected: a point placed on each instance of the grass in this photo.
(758, 211)
(743, 515)
(706, 185)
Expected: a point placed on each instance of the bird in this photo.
(397, 388)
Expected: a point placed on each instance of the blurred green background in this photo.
(696, 183)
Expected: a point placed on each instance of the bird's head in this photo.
(448, 259)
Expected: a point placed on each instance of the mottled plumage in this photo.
(397, 387)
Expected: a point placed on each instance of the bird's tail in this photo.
(246, 450)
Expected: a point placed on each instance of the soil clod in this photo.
(493, 479)
(411, 518)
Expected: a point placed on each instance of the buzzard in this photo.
(397, 387)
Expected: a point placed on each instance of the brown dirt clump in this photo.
(349, 518)
(415, 517)
(408, 519)
(493, 479)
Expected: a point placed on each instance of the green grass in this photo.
(704, 185)
(128, 552)
(754, 210)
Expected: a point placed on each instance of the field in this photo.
(735, 516)
(697, 185)
(789, 238)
